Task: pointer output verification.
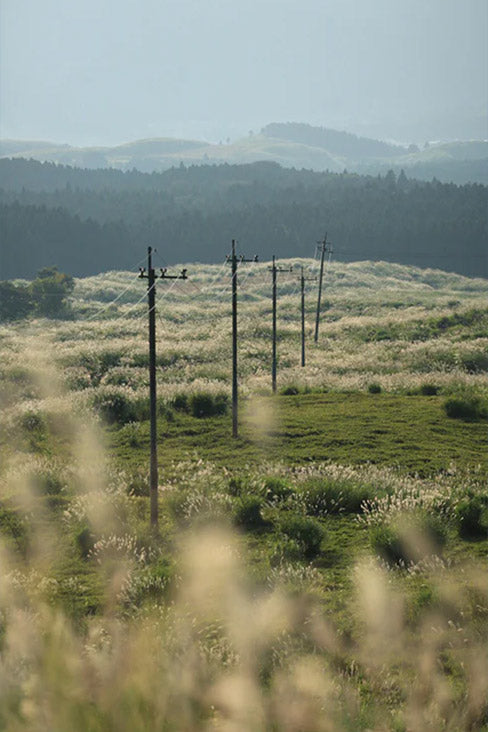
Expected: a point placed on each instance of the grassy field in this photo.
(325, 571)
(411, 433)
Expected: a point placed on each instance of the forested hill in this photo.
(334, 141)
(87, 221)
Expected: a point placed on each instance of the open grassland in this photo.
(326, 571)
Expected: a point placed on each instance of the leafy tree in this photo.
(15, 301)
(50, 290)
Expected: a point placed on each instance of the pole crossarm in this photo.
(163, 274)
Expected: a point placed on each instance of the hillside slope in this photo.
(291, 145)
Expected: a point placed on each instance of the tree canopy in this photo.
(91, 221)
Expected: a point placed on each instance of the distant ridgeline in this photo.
(88, 221)
(344, 144)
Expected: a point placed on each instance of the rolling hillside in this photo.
(291, 145)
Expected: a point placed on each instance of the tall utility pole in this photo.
(323, 247)
(151, 277)
(235, 260)
(304, 279)
(274, 269)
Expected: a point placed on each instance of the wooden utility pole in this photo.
(151, 277)
(274, 269)
(234, 261)
(323, 247)
(304, 279)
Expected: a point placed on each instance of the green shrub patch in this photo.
(307, 532)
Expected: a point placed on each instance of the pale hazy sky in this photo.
(109, 71)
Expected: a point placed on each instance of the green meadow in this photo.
(326, 570)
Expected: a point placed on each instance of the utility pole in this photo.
(235, 260)
(323, 247)
(304, 279)
(274, 269)
(151, 277)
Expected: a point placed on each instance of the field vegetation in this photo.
(324, 571)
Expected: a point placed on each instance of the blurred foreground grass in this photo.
(327, 571)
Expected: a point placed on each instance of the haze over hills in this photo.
(289, 144)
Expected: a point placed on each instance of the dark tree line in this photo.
(192, 213)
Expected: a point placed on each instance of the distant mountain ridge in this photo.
(292, 145)
(335, 142)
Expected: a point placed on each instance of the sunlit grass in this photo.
(326, 571)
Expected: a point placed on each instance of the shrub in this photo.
(180, 403)
(138, 483)
(203, 404)
(277, 489)
(248, 513)
(469, 408)
(133, 433)
(475, 363)
(14, 529)
(33, 422)
(49, 292)
(85, 541)
(306, 532)
(472, 517)
(49, 483)
(374, 388)
(325, 497)
(15, 302)
(395, 543)
(114, 406)
(290, 390)
(429, 390)
(163, 410)
(387, 543)
(236, 486)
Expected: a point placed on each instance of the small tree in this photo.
(50, 290)
(15, 301)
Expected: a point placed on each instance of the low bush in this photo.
(49, 483)
(85, 541)
(290, 390)
(33, 422)
(247, 513)
(429, 390)
(308, 533)
(374, 388)
(138, 483)
(13, 529)
(398, 543)
(277, 489)
(322, 497)
(472, 517)
(180, 402)
(475, 363)
(114, 406)
(387, 543)
(468, 408)
(133, 432)
(203, 404)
